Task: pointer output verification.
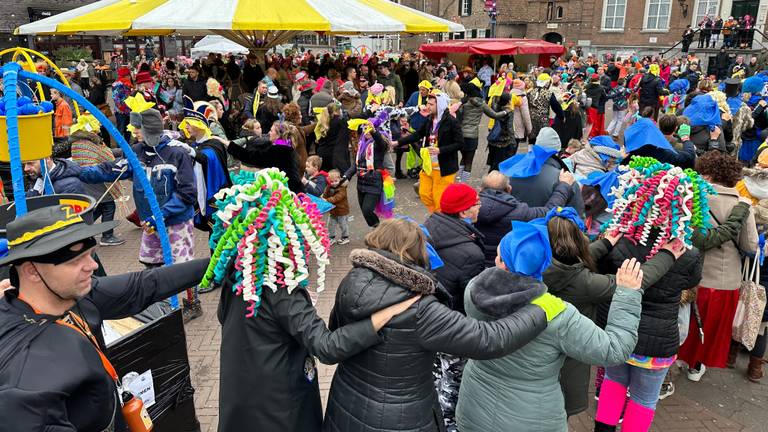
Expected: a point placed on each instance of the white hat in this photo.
(272, 92)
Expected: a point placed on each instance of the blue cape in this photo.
(734, 103)
(703, 111)
(526, 164)
(645, 132)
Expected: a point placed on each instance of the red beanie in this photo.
(143, 77)
(123, 72)
(457, 198)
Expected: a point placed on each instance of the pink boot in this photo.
(637, 418)
(612, 398)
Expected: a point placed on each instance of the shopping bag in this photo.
(749, 311)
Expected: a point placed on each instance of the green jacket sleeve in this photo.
(299, 318)
(441, 329)
(600, 248)
(583, 340)
(727, 231)
(656, 267)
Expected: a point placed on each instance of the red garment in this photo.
(597, 120)
(634, 81)
(717, 309)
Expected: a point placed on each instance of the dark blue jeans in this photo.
(107, 212)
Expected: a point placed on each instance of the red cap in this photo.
(457, 198)
(123, 72)
(143, 77)
(594, 76)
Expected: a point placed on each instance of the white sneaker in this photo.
(343, 241)
(695, 375)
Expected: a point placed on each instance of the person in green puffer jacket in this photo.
(520, 391)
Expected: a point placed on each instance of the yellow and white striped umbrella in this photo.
(241, 18)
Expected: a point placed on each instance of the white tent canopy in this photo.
(217, 44)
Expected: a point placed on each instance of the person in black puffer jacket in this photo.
(390, 387)
(498, 208)
(650, 88)
(460, 245)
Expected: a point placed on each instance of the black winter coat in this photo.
(651, 87)
(390, 387)
(268, 374)
(58, 383)
(370, 181)
(449, 140)
(536, 191)
(658, 335)
(498, 209)
(460, 246)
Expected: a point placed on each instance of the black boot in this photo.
(602, 427)
(210, 288)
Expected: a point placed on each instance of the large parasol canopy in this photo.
(255, 24)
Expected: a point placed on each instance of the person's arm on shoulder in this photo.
(493, 114)
(299, 318)
(121, 296)
(441, 329)
(725, 232)
(106, 172)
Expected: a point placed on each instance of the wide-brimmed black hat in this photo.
(47, 230)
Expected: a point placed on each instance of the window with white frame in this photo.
(657, 14)
(613, 14)
(465, 7)
(704, 7)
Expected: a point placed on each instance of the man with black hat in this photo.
(54, 374)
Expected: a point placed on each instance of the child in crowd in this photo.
(574, 145)
(336, 194)
(314, 179)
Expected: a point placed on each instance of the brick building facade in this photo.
(599, 26)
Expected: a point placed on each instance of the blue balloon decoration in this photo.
(11, 72)
(47, 106)
(24, 100)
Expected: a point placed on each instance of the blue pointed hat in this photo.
(526, 164)
(526, 250)
(703, 111)
(645, 132)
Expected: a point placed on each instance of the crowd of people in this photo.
(620, 196)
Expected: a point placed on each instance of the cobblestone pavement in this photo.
(723, 401)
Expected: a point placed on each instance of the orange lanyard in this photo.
(79, 325)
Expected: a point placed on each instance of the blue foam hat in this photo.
(526, 164)
(526, 250)
(703, 111)
(605, 182)
(680, 86)
(563, 212)
(645, 132)
(753, 84)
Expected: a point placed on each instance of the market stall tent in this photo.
(255, 24)
(217, 44)
(525, 51)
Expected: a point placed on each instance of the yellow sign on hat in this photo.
(426, 84)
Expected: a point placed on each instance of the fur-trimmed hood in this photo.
(756, 182)
(389, 267)
(499, 293)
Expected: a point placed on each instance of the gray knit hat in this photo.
(151, 124)
(548, 139)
